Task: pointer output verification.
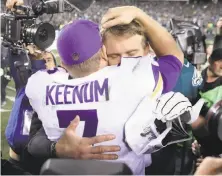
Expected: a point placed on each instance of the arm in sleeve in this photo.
(39, 145)
(144, 138)
(147, 71)
(36, 125)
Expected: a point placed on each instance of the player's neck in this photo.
(81, 75)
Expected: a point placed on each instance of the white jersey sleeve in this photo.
(140, 129)
(38, 80)
(145, 74)
(169, 67)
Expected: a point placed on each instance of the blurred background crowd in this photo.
(206, 12)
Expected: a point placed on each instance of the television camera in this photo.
(190, 39)
(19, 28)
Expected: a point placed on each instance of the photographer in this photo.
(212, 76)
(211, 90)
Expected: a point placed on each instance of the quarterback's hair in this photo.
(85, 68)
(128, 30)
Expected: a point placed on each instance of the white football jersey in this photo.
(104, 101)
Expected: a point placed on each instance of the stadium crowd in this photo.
(181, 137)
(207, 13)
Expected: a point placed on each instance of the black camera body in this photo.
(18, 29)
(190, 39)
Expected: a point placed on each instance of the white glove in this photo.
(171, 105)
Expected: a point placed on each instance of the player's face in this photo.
(216, 68)
(124, 46)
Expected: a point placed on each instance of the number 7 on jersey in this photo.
(89, 116)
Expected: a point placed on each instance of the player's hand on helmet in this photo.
(120, 15)
(70, 145)
(170, 106)
(10, 3)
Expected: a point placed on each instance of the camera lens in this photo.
(42, 35)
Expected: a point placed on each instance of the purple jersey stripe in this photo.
(170, 68)
(155, 74)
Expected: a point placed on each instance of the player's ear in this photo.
(103, 57)
(147, 49)
(103, 53)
